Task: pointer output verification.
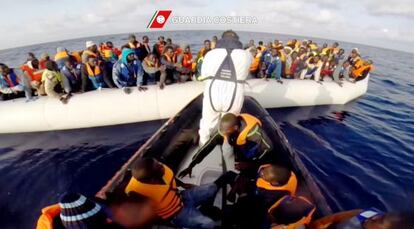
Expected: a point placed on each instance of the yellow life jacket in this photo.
(95, 72)
(313, 47)
(164, 195)
(61, 55)
(305, 220)
(290, 186)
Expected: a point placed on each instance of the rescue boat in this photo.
(112, 106)
(163, 146)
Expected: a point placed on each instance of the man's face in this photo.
(170, 52)
(93, 48)
(131, 57)
(145, 39)
(161, 39)
(227, 129)
(4, 70)
(187, 50)
(207, 44)
(274, 52)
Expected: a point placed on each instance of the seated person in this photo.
(291, 212)
(74, 211)
(274, 69)
(244, 133)
(365, 219)
(313, 69)
(33, 72)
(52, 82)
(185, 64)
(274, 182)
(361, 69)
(156, 181)
(93, 72)
(43, 59)
(13, 84)
(328, 67)
(168, 62)
(71, 72)
(61, 56)
(128, 72)
(152, 68)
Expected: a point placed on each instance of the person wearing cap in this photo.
(128, 72)
(13, 84)
(91, 50)
(158, 48)
(224, 71)
(74, 211)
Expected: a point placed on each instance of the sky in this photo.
(382, 23)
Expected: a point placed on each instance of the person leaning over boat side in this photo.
(13, 84)
(158, 48)
(128, 72)
(274, 68)
(153, 69)
(92, 71)
(244, 133)
(365, 219)
(224, 71)
(75, 211)
(53, 83)
(156, 181)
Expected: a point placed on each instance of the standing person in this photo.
(158, 48)
(224, 69)
(168, 62)
(13, 84)
(145, 48)
(133, 44)
(127, 72)
(91, 50)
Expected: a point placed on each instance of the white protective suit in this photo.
(221, 91)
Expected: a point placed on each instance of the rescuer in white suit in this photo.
(224, 71)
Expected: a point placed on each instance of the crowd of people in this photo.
(138, 64)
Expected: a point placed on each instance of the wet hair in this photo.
(230, 118)
(143, 168)
(280, 174)
(50, 65)
(230, 34)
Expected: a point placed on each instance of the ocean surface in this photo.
(361, 154)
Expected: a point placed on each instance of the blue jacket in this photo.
(73, 79)
(275, 68)
(4, 85)
(127, 74)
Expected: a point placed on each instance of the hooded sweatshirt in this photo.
(127, 74)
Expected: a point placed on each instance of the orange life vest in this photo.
(45, 220)
(303, 221)
(35, 74)
(290, 186)
(165, 195)
(61, 55)
(95, 72)
(187, 61)
(252, 124)
(360, 67)
(77, 56)
(255, 64)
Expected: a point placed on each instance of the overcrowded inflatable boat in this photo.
(173, 144)
(111, 107)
